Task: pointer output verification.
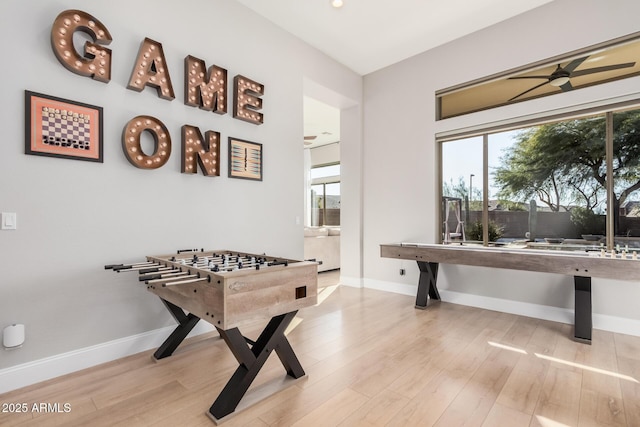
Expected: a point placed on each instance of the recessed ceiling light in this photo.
(336, 3)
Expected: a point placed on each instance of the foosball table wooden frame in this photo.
(581, 265)
(227, 289)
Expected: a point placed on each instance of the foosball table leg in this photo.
(186, 323)
(251, 359)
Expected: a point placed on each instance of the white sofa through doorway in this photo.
(323, 245)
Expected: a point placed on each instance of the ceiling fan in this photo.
(562, 75)
(308, 140)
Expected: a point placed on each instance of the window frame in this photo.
(324, 181)
(606, 109)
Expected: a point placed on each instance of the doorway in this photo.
(322, 184)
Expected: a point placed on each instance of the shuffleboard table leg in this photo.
(186, 323)
(252, 359)
(583, 320)
(427, 283)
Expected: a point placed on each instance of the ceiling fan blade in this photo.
(602, 69)
(574, 64)
(566, 87)
(528, 77)
(527, 91)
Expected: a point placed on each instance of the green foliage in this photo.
(587, 222)
(512, 206)
(560, 164)
(460, 189)
(564, 165)
(475, 230)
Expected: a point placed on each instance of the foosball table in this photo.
(228, 289)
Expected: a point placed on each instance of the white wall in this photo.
(74, 217)
(325, 154)
(400, 162)
(351, 191)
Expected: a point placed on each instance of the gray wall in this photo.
(401, 157)
(73, 217)
(325, 154)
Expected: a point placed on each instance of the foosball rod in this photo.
(153, 276)
(232, 266)
(169, 279)
(132, 267)
(228, 263)
(142, 268)
(188, 281)
(112, 266)
(213, 258)
(203, 262)
(190, 250)
(155, 269)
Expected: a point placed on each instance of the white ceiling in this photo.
(367, 35)
(321, 122)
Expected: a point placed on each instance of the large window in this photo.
(325, 195)
(548, 185)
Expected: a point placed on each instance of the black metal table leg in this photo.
(583, 320)
(186, 323)
(427, 283)
(252, 359)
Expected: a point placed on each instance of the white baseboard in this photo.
(354, 282)
(545, 312)
(397, 288)
(29, 373)
(556, 314)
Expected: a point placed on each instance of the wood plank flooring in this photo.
(371, 360)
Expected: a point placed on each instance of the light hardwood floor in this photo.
(371, 360)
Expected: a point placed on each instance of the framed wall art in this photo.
(59, 127)
(245, 159)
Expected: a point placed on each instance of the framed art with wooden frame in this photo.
(59, 127)
(245, 159)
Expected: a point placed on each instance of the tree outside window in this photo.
(550, 181)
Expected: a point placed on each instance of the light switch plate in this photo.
(8, 221)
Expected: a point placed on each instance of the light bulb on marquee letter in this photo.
(246, 102)
(96, 61)
(133, 149)
(197, 150)
(204, 88)
(151, 69)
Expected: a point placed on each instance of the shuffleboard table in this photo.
(582, 265)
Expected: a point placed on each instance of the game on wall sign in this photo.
(204, 88)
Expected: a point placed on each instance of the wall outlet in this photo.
(402, 271)
(9, 221)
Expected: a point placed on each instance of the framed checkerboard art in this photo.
(59, 127)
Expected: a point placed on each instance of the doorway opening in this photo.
(322, 184)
